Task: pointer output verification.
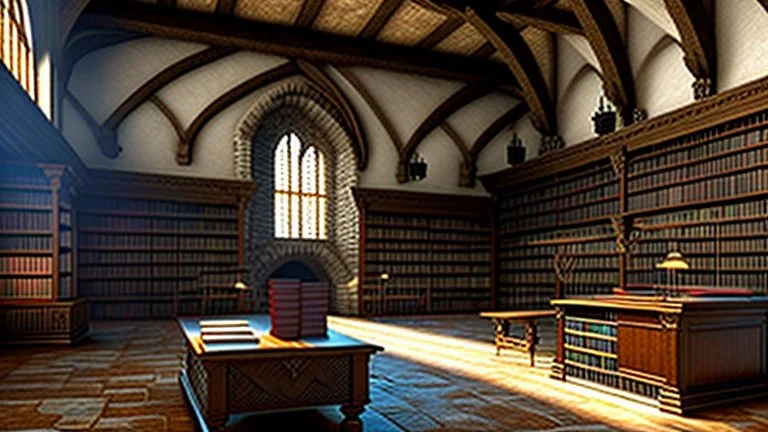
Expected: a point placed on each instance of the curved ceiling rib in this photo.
(320, 78)
(377, 111)
(226, 7)
(163, 78)
(552, 20)
(520, 60)
(93, 125)
(86, 45)
(495, 128)
(168, 113)
(466, 169)
(456, 101)
(604, 37)
(764, 3)
(698, 38)
(184, 151)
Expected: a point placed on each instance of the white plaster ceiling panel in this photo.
(102, 80)
(78, 134)
(463, 41)
(542, 45)
(410, 24)
(198, 5)
(345, 17)
(405, 99)
(569, 63)
(644, 35)
(656, 11)
(149, 143)
(273, 11)
(471, 120)
(664, 82)
(742, 43)
(582, 46)
(191, 93)
(575, 108)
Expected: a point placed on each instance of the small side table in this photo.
(503, 321)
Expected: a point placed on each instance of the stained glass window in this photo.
(300, 191)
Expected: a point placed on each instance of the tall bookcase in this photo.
(436, 250)
(146, 239)
(601, 215)
(38, 279)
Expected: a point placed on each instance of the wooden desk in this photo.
(505, 319)
(679, 354)
(275, 375)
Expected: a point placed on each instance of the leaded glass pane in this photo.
(309, 171)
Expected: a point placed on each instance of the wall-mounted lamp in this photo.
(604, 118)
(417, 168)
(515, 150)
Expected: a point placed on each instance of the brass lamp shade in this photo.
(674, 261)
(384, 276)
(239, 285)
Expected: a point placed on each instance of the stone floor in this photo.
(437, 373)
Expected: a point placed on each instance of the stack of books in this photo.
(284, 308)
(227, 332)
(298, 309)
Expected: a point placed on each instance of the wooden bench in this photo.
(503, 321)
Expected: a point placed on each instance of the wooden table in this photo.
(276, 375)
(505, 319)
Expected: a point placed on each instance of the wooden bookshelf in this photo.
(38, 278)
(146, 239)
(436, 250)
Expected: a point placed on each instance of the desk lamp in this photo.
(672, 262)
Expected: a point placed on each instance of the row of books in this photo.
(26, 264)
(645, 277)
(143, 257)
(705, 149)
(394, 246)
(66, 288)
(605, 327)
(20, 220)
(30, 243)
(557, 189)
(755, 245)
(526, 297)
(471, 284)
(708, 168)
(528, 264)
(527, 278)
(26, 288)
(28, 198)
(88, 240)
(453, 256)
(709, 189)
(560, 201)
(396, 269)
(105, 205)
(65, 218)
(96, 222)
(607, 378)
(664, 244)
(727, 214)
(130, 288)
(590, 277)
(591, 343)
(548, 219)
(65, 238)
(593, 360)
(65, 262)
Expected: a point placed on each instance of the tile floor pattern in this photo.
(438, 374)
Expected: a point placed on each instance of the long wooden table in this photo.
(680, 354)
(221, 380)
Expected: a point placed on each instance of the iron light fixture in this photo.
(604, 118)
(417, 168)
(515, 150)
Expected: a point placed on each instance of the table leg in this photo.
(352, 422)
(502, 328)
(531, 338)
(216, 424)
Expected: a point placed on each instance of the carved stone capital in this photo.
(108, 143)
(702, 88)
(639, 114)
(551, 143)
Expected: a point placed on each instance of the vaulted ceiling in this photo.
(502, 46)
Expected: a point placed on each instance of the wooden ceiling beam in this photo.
(168, 113)
(552, 20)
(226, 7)
(698, 39)
(88, 44)
(293, 43)
(450, 25)
(467, 171)
(185, 148)
(310, 9)
(603, 34)
(380, 18)
(520, 60)
(764, 3)
(453, 103)
(163, 78)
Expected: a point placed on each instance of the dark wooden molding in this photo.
(310, 9)
(166, 76)
(168, 113)
(93, 125)
(603, 34)
(486, 50)
(380, 18)
(417, 203)
(88, 44)
(453, 103)
(712, 111)
(552, 20)
(450, 25)
(334, 93)
(374, 106)
(495, 128)
(697, 34)
(764, 3)
(185, 148)
(321, 48)
(167, 3)
(226, 7)
(169, 187)
(520, 60)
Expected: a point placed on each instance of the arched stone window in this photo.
(15, 46)
(301, 195)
